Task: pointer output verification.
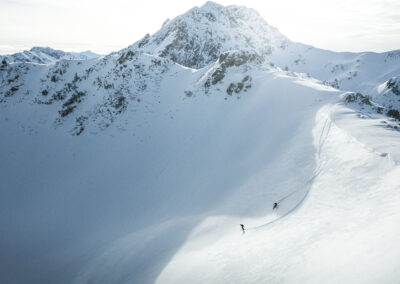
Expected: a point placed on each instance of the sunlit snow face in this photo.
(104, 26)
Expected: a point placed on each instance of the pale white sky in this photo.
(105, 26)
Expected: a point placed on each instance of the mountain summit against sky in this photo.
(196, 38)
(139, 166)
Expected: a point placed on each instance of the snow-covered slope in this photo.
(136, 167)
(178, 157)
(344, 230)
(360, 72)
(46, 55)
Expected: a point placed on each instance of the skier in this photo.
(243, 229)
(275, 206)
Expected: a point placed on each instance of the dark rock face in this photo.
(358, 98)
(394, 85)
(233, 59)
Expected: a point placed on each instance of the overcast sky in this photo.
(105, 26)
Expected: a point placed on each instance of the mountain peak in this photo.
(211, 5)
(43, 48)
(199, 36)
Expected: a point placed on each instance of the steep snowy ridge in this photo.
(139, 166)
(46, 55)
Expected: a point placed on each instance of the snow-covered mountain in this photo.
(196, 38)
(139, 166)
(46, 55)
(361, 72)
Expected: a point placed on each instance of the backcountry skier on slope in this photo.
(275, 206)
(243, 229)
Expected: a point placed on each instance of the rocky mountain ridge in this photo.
(46, 55)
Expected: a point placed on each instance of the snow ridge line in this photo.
(322, 138)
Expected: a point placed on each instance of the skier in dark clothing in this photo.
(243, 229)
(275, 206)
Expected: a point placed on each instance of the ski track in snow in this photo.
(260, 238)
(322, 138)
